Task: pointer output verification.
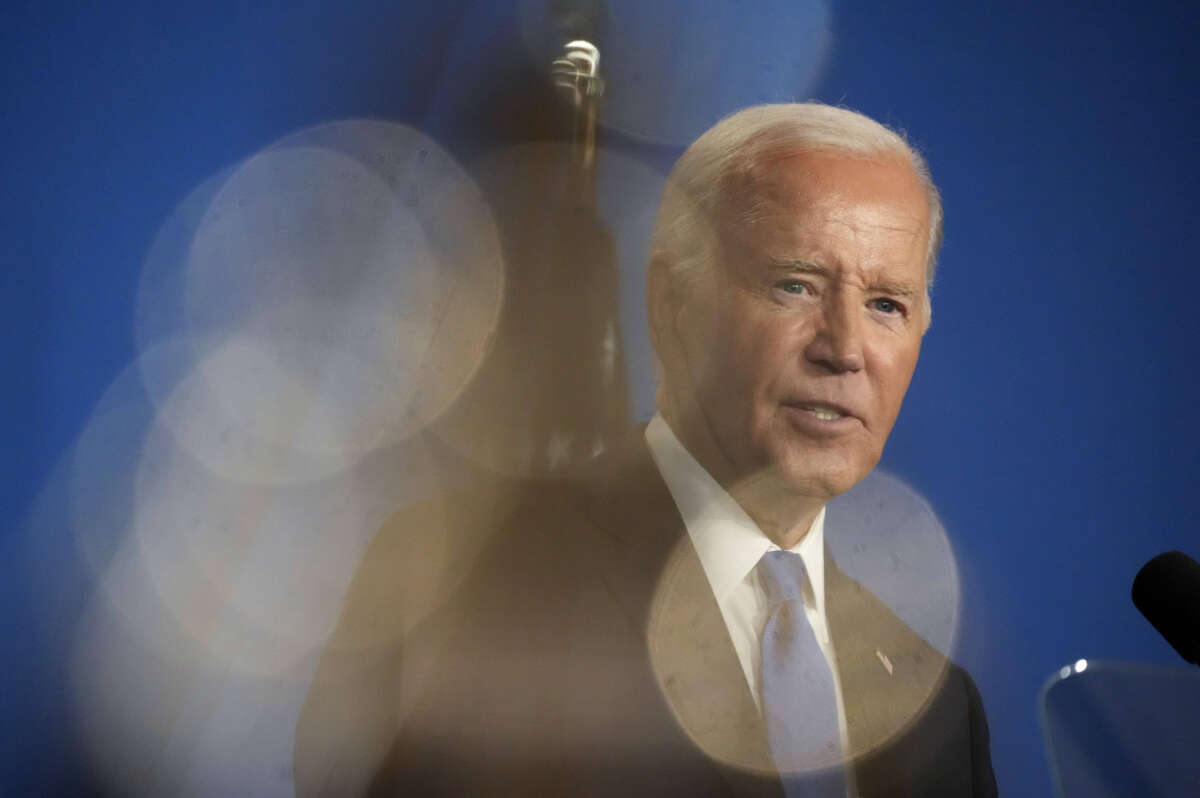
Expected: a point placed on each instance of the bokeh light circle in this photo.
(326, 298)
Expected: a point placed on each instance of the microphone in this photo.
(1167, 592)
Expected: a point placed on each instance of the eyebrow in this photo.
(799, 266)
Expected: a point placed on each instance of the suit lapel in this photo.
(656, 576)
(698, 670)
(888, 674)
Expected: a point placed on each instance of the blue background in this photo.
(1052, 420)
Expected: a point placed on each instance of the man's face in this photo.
(804, 343)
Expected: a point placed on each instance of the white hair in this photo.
(699, 186)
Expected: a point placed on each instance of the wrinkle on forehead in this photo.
(785, 183)
(866, 219)
(832, 230)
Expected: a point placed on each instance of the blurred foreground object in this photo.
(1118, 730)
(303, 316)
(534, 679)
(553, 391)
(577, 77)
(323, 300)
(673, 67)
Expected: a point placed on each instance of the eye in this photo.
(887, 306)
(793, 286)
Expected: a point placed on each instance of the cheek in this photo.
(730, 371)
(896, 376)
(753, 353)
(773, 348)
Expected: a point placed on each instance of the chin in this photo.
(820, 475)
(820, 486)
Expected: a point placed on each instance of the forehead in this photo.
(855, 212)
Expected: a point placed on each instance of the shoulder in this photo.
(910, 709)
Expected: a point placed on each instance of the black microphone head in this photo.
(1167, 592)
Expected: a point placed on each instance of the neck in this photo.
(782, 514)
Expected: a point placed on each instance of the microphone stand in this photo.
(576, 75)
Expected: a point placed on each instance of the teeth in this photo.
(823, 413)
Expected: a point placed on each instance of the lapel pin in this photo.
(887, 663)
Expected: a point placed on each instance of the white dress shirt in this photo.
(730, 545)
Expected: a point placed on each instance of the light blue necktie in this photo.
(799, 703)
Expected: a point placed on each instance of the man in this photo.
(667, 621)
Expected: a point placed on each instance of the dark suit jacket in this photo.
(586, 655)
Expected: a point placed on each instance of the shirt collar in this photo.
(727, 541)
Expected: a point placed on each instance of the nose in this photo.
(837, 342)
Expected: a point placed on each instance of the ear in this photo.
(662, 303)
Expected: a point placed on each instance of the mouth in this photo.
(822, 411)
